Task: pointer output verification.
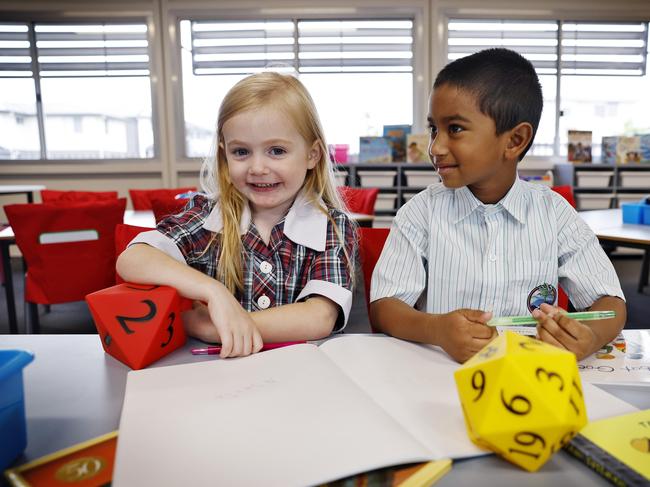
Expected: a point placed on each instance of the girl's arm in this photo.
(141, 263)
(307, 320)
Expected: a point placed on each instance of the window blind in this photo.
(586, 48)
(307, 46)
(355, 46)
(15, 58)
(98, 49)
(241, 47)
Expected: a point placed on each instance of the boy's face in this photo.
(464, 147)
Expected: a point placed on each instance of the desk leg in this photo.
(9, 287)
(644, 271)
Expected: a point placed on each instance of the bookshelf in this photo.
(602, 186)
(399, 181)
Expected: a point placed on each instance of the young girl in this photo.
(269, 236)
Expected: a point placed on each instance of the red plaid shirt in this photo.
(310, 260)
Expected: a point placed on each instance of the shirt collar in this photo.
(304, 224)
(513, 202)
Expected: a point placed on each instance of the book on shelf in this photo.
(417, 148)
(617, 448)
(628, 149)
(644, 141)
(374, 150)
(579, 149)
(301, 415)
(396, 135)
(608, 149)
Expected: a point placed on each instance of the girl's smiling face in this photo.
(267, 158)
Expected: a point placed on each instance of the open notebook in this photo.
(299, 415)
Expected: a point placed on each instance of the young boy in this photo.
(484, 243)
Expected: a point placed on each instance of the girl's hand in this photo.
(556, 328)
(464, 332)
(237, 331)
(198, 324)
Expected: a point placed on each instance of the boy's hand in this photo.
(237, 332)
(556, 328)
(464, 332)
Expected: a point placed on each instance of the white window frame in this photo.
(439, 42)
(107, 14)
(418, 11)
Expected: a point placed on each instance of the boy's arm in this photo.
(461, 333)
(141, 263)
(583, 339)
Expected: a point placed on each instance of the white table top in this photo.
(74, 392)
(20, 188)
(608, 224)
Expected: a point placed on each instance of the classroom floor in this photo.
(75, 317)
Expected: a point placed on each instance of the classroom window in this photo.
(591, 59)
(82, 89)
(347, 65)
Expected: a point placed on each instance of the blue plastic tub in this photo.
(13, 429)
(633, 213)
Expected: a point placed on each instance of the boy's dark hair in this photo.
(505, 84)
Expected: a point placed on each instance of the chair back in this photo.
(164, 206)
(141, 198)
(567, 193)
(371, 243)
(359, 200)
(69, 250)
(123, 235)
(54, 195)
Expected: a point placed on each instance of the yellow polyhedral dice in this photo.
(521, 398)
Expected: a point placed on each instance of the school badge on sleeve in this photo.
(544, 293)
(521, 398)
(138, 324)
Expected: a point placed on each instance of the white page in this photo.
(415, 384)
(283, 417)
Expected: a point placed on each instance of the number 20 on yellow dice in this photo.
(521, 398)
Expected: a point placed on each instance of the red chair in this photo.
(141, 198)
(567, 193)
(53, 195)
(371, 243)
(164, 206)
(69, 249)
(359, 200)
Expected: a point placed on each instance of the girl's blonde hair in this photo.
(288, 95)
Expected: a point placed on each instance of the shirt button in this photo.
(493, 257)
(266, 267)
(263, 302)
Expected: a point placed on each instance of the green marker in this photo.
(529, 320)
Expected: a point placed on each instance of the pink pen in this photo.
(266, 346)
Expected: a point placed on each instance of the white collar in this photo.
(304, 223)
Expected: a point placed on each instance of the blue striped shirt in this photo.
(447, 250)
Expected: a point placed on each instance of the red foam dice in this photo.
(138, 324)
